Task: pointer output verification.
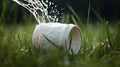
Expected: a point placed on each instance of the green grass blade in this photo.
(70, 43)
(98, 15)
(80, 22)
(74, 20)
(52, 43)
(88, 13)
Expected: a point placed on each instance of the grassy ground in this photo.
(100, 48)
(100, 45)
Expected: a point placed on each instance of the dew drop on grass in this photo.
(102, 43)
(107, 40)
(22, 49)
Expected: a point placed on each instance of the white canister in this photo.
(63, 35)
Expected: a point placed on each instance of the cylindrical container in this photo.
(67, 36)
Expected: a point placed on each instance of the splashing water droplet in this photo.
(39, 9)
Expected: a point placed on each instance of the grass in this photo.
(100, 45)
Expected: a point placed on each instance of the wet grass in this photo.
(100, 45)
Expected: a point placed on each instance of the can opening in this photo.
(74, 40)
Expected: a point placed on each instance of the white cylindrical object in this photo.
(60, 34)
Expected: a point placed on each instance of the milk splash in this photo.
(39, 9)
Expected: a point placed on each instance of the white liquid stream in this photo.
(39, 9)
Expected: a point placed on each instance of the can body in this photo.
(67, 36)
